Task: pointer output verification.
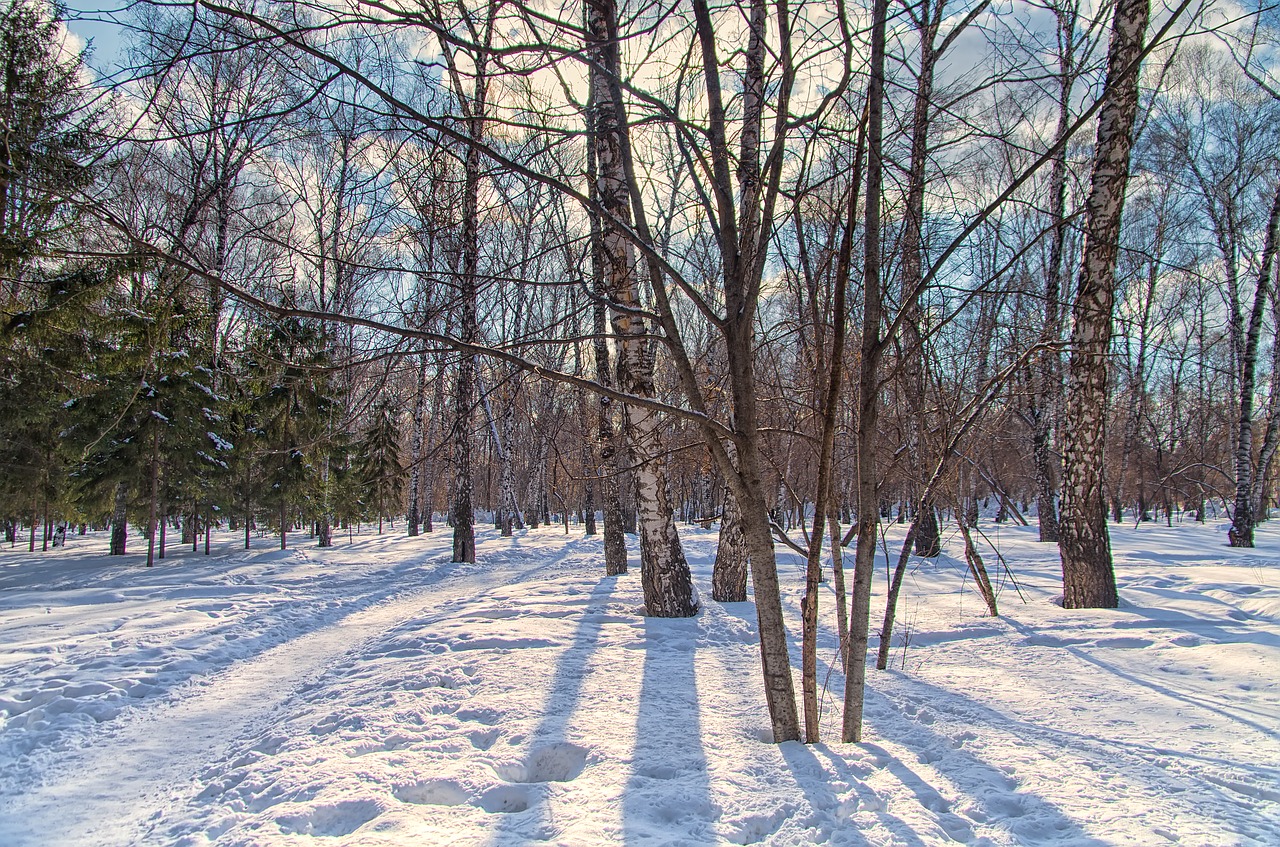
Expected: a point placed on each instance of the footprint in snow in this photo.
(504, 799)
(333, 820)
(432, 792)
(553, 763)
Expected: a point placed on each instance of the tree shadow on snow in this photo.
(1225, 706)
(668, 797)
(814, 778)
(550, 757)
(988, 795)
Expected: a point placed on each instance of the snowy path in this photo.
(108, 792)
(159, 751)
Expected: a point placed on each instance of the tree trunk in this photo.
(668, 587)
(154, 497)
(1047, 394)
(842, 599)
(978, 570)
(414, 516)
(729, 576)
(1043, 462)
(913, 370)
(119, 522)
(828, 403)
(589, 466)
(928, 535)
(463, 512)
(429, 466)
(615, 539)
(664, 573)
(1242, 517)
(1084, 543)
(868, 389)
(775, 663)
(508, 511)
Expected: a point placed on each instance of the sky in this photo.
(91, 21)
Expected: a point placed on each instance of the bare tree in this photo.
(1087, 575)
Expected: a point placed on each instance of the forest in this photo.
(798, 272)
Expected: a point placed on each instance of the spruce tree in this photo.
(147, 425)
(50, 137)
(293, 403)
(380, 470)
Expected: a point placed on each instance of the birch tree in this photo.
(1084, 543)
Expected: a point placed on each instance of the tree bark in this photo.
(154, 497)
(1084, 543)
(474, 106)
(837, 571)
(729, 576)
(928, 542)
(414, 516)
(868, 389)
(1047, 394)
(1271, 436)
(978, 569)
(913, 377)
(668, 587)
(615, 542)
(436, 424)
(119, 522)
(1242, 517)
(829, 399)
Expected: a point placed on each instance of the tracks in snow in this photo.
(113, 790)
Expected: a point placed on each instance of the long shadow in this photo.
(204, 655)
(940, 750)
(972, 775)
(996, 796)
(814, 779)
(1076, 741)
(551, 756)
(669, 788)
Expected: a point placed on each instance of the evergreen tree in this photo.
(242, 490)
(31, 470)
(49, 136)
(146, 423)
(293, 405)
(381, 473)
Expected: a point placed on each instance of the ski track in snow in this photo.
(375, 694)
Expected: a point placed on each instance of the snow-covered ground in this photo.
(376, 694)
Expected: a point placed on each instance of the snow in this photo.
(375, 693)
